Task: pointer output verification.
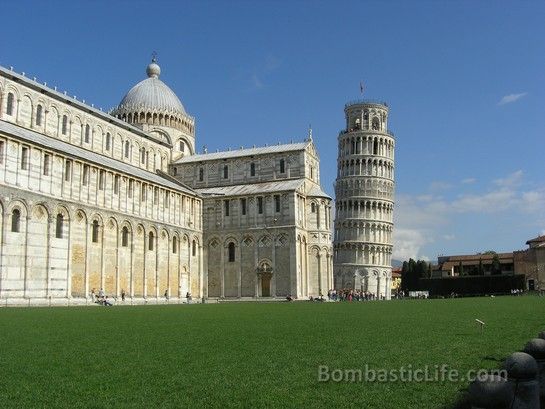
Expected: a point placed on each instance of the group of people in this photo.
(344, 295)
(101, 298)
(352, 295)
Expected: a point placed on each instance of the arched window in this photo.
(125, 237)
(231, 252)
(116, 184)
(64, 124)
(59, 226)
(87, 132)
(127, 148)
(201, 174)
(225, 171)
(313, 207)
(143, 155)
(252, 169)
(227, 207)
(150, 241)
(39, 112)
(16, 221)
(9, 105)
(194, 248)
(282, 166)
(108, 141)
(182, 146)
(375, 147)
(376, 124)
(94, 232)
(175, 244)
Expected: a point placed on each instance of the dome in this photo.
(151, 95)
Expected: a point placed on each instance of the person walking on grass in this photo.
(166, 295)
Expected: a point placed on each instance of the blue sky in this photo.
(465, 81)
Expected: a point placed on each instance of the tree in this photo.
(461, 269)
(411, 273)
(496, 266)
(481, 269)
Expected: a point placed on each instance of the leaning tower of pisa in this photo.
(364, 200)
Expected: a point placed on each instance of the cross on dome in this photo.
(153, 70)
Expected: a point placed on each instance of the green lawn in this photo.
(250, 354)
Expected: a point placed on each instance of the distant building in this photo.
(469, 264)
(396, 279)
(531, 263)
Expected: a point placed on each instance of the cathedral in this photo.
(123, 202)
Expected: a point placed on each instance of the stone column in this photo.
(169, 249)
(319, 263)
(156, 264)
(145, 264)
(256, 260)
(25, 288)
(274, 272)
(222, 269)
(50, 220)
(239, 272)
(3, 232)
(131, 273)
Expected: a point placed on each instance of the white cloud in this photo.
(491, 202)
(468, 181)
(423, 220)
(439, 185)
(263, 70)
(257, 82)
(533, 201)
(507, 99)
(272, 63)
(511, 180)
(407, 244)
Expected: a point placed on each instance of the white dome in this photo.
(151, 95)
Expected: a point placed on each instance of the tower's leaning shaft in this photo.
(364, 201)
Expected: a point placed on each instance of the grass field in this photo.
(250, 354)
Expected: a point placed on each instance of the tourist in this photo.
(123, 295)
(107, 302)
(166, 295)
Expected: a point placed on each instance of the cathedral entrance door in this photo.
(266, 285)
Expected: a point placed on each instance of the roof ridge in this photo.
(86, 155)
(255, 150)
